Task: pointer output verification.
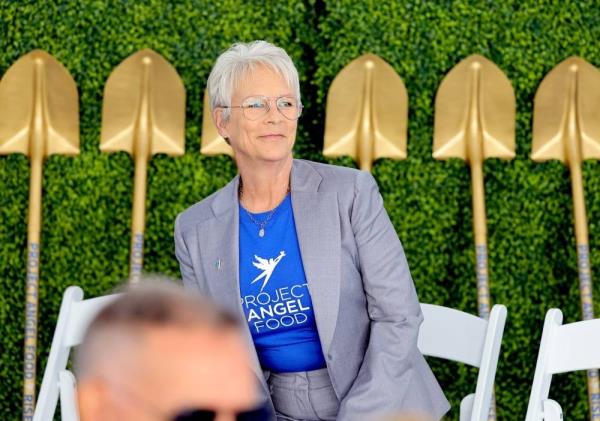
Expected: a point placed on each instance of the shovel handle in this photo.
(138, 220)
(480, 231)
(31, 322)
(581, 237)
(481, 252)
(587, 310)
(32, 288)
(483, 300)
(585, 281)
(585, 276)
(483, 286)
(136, 260)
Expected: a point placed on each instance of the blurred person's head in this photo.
(159, 353)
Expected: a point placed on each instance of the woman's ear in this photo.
(221, 122)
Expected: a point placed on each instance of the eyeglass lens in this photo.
(257, 106)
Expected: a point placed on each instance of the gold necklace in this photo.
(260, 224)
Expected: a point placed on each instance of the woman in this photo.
(307, 254)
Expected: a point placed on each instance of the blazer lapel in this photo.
(318, 228)
(218, 239)
(219, 242)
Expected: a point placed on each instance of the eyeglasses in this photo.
(255, 107)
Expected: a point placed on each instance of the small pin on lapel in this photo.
(218, 264)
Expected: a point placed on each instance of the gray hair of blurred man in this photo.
(241, 59)
(121, 325)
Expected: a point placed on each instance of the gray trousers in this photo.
(303, 396)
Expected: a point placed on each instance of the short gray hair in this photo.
(152, 303)
(241, 59)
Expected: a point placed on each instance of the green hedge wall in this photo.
(87, 199)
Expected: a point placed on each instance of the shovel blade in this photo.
(39, 77)
(212, 143)
(551, 106)
(147, 78)
(475, 86)
(367, 111)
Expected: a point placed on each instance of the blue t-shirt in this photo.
(275, 295)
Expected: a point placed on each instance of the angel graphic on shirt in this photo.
(267, 266)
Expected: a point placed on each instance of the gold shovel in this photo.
(475, 120)
(566, 126)
(211, 142)
(143, 114)
(367, 113)
(40, 117)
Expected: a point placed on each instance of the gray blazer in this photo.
(364, 299)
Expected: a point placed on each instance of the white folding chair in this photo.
(458, 336)
(74, 317)
(563, 348)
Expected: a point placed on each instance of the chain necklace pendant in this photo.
(261, 225)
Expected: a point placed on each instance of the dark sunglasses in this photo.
(260, 414)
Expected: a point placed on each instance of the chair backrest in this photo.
(458, 336)
(563, 348)
(73, 319)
